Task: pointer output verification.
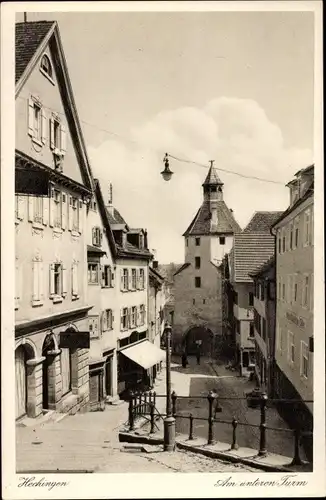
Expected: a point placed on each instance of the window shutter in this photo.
(129, 317)
(30, 208)
(80, 215)
(121, 319)
(21, 206)
(93, 236)
(35, 295)
(51, 212)
(64, 211)
(30, 117)
(112, 279)
(51, 280)
(43, 126)
(129, 279)
(137, 279)
(121, 279)
(74, 278)
(137, 316)
(45, 216)
(41, 280)
(63, 141)
(102, 276)
(52, 143)
(64, 281)
(70, 213)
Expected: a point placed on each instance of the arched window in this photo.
(46, 65)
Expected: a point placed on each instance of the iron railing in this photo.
(143, 405)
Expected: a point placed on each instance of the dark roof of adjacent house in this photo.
(250, 250)
(264, 268)
(29, 36)
(155, 275)
(261, 222)
(130, 250)
(96, 250)
(184, 266)
(201, 223)
(309, 192)
(116, 217)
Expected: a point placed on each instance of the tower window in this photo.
(197, 262)
(197, 282)
(197, 241)
(193, 301)
(222, 240)
(186, 242)
(204, 301)
(213, 189)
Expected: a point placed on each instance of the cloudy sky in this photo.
(235, 87)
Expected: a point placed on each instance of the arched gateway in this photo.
(198, 336)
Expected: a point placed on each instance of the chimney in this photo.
(110, 206)
(231, 210)
(155, 264)
(145, 239)
(25, 17)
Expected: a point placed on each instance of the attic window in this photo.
(46, 66)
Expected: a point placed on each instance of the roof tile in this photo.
(201, 224)
(261, 222)
(250, 250)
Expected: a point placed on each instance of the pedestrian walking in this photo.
(184, 360)
(198, 355)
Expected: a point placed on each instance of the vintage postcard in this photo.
(162, 250)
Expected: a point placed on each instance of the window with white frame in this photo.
(307, 227)
(38, 209)
(106, 276)
(142, 314)
(74, 210)
(107, 319)
(93, 273)
(283, 239)
(289, 288)
(296, 232)
(57, 135)
(291, 236)
(134, 279)
(57, 209)
(305, 291)
(279, 239)
(141, 279)
(46, 66)
(36, 121)
(38, 280)
(93, 326)
(96, 236)
(125, 279)
(58, 280)
(133, 317)
(290, 347)
(124, 319)
(304, 359)
(295, 289)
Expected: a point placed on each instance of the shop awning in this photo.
(144, 354)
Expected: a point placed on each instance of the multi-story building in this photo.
(254, 246)
(198, 283)
(264, 323)
(136, 354)
(156, 303)
(51, 306)
(294, 232)
(104, 317)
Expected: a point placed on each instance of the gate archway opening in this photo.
(198, 337)
(23, 353)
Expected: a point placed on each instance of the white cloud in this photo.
(235, 132)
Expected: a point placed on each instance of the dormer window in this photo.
(46, 67)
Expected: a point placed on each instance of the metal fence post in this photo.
(152, 420)
(234, 445)
(131, 412)
(154, 398)
(191, 427)
(296, 459)
(262, 443)
(174, 403)
(210, 398)
(145, 403)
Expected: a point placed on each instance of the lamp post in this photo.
(169, 421)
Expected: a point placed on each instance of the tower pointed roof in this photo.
(212, 178)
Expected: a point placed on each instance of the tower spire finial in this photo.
(212, 162)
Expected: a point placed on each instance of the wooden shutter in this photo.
(102, 271)
(121, 279)
(137, 316)
(51, 279)
(30, 208)
(43, 126)
(70, 213)
(74, 278)
(129, 317)
(41, 280)
(63, 281)
(52, 142)
(121, 319)
(112, 279)
(137, 279)
(129, 279)
(51, 207)
(20, 207)
(63, 141)
(30, 117)
(80, 215)
(35, 294)
(64, 211)
(45, 215)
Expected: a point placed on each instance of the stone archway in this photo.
(197, 336)
(25, 352)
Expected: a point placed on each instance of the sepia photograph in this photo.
(162, 292)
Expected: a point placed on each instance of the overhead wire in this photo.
(176, 158)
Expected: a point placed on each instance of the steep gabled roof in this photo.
(31, 40)
(212, 178)
(250, 250)
(201, 224)
(261, 222)
(115, 217)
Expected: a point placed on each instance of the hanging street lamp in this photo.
(166, 173)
